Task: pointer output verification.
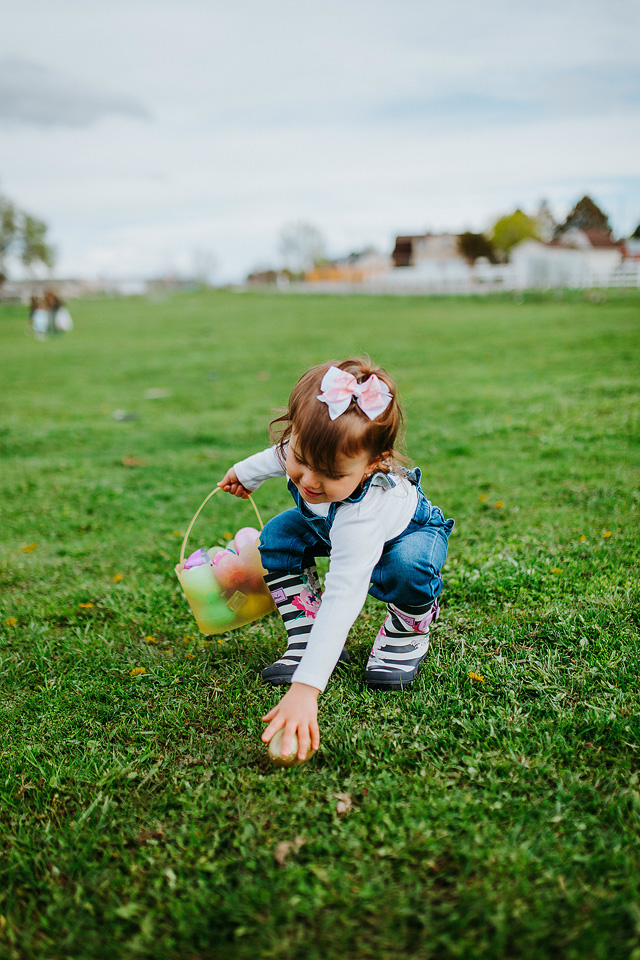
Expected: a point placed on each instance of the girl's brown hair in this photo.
(320, 440)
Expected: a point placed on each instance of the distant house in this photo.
(601, 252)
(429, 261)
(578, 258)
(357, 267)
(411, 251)
(631, 249)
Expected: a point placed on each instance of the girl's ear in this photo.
(377, 463)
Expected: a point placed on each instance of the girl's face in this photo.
(320, 487)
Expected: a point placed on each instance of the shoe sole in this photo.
(279, 681)
(392, 683)
(388, 685)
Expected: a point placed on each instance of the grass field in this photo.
(495, 817)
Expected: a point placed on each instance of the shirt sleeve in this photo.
(357, 540)
(259, 467)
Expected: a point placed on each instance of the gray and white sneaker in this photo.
(400, 647)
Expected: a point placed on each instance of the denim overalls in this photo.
(408, 572)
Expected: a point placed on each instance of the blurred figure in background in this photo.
(58, 317)
(39, 318)
(34, 303)
(52, 304)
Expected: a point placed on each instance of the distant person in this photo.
(357, 505)
(59, 318)
(39, 317)
(34, 303)
(63, 321)
(52, 305)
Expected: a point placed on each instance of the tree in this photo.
(474, 245)
(546, 222)
(22, 236)
(511, 229)
(301, 245)
(586, 215)
(636, 233)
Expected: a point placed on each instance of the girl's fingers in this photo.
(303, 744)
(287, 740)
(273, 728)
(308, 737)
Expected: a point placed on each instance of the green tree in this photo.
(511, 229)
(22, 236)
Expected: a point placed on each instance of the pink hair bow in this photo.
(339, 388)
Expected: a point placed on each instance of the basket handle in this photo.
(197, 514)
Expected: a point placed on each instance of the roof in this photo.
(598, 238)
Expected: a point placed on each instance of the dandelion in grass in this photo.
(498, 504)
(607, 533)
(137, 671)
(86, 606)
(483, 498)
(117, 577)
(11, 622)
(475, 676)
(582, 539)
(30, 547)
(557, 569)
(150, 640)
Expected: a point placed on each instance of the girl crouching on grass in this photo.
(355, 504)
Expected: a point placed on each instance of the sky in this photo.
(167, 136)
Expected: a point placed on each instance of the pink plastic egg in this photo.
(229, 569)
(247, 535)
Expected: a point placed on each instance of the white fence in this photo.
(486, 278)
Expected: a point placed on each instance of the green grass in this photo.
(140, 816)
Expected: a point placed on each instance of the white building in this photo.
(579, 259)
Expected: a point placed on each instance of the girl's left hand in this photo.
(297, 712)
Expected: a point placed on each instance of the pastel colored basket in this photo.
(230, 596)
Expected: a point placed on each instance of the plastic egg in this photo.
(291, 759)
(229, 569)
(215, 615)
(197, 559)
(247, 535)
(203, 593)
(212, 551)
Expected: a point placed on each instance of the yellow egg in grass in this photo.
(291, 759)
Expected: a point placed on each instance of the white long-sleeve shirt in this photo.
(358, 535)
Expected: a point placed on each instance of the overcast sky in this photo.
(152, 134)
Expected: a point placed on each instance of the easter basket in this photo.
(225, 588)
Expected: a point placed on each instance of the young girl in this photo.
(356, 505)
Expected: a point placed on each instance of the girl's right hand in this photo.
(231, 484)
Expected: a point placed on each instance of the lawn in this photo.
(490, 810)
